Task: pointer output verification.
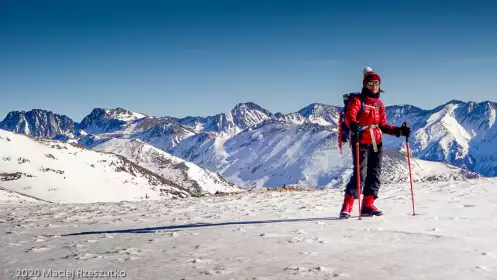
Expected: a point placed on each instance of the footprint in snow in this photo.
(38, 249)
(126, 251)
(309, 253)
(321, 269)
(344, 275)
(295, 269)
(87, 256)
(121, 260)
(295, 240)
(482, 267)
(318, 240)
(201, 261)
(211, 272)
(374, 229)
(70, 256)
(172, 234)
(131, 251)
(270, 235)
(108, 236)
(303, 270)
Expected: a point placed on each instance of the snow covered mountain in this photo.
(37, 123)
(108, 120)
(190, 176)
(275, 153)
(60, 172)
(459, 133)
(243, 115)
(322, 114)
(164, 135)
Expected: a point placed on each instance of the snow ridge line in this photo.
(23, 194)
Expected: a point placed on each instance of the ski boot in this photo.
(348, 204)
(368, 209)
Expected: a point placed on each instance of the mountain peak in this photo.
(117, 114)
(37, 122)
(102, 120)
(248, 105)
(316, 108)
(455, 102)
(248, 114)
(319, 113)
(33, 112)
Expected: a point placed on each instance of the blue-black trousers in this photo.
(370, 169)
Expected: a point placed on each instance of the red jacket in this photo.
(370, 116)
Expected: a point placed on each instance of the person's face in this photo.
(373, 86)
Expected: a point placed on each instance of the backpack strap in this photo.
(361, 110)
(363, 103)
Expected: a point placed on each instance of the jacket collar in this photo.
(369, 95)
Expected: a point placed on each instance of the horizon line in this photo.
(240, 103)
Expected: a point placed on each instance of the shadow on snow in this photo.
(200, 225)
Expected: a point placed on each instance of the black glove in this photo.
(354, 127)
(403, 130)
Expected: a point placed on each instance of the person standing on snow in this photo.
(370, 125)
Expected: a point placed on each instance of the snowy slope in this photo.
(276, 153)
(60, 172)
(263, 235)
(462, 134)
(8, 196)
(190, 176)
(163, 133)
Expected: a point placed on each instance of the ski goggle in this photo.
(374, 83)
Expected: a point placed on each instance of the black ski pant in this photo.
(370, 166)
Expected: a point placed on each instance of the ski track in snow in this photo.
(263, 235)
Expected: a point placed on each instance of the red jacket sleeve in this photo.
(354, 107)
(385, 128)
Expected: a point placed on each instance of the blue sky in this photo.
(199, 58)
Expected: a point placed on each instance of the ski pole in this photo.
(358, 166)
(410, 172)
